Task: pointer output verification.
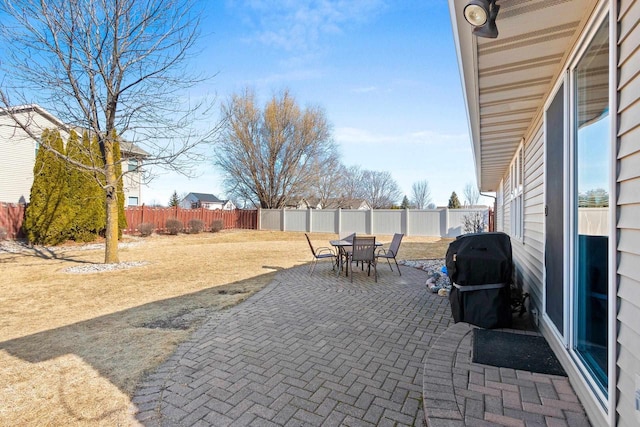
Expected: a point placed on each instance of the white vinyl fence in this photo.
(593, 221)
(412, 222)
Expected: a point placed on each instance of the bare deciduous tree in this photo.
(471, 194)
(351, 184)
(274, 154)
(421, 194)
(328, 189)
(115, 68)
(380, 189)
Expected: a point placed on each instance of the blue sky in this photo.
(385, 72)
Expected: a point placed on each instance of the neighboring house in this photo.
(314, 203)
(554, 114)
(18, 154)
(133, 157)
(358, 204)
(308, 203)
(207, 201)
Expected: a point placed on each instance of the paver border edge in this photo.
(440, 388)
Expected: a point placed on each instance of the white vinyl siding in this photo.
(531, 264)
(16, 171)
(131, 185)
(628, 209)
(528, 253)
(18, 154)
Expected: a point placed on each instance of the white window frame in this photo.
(516, 176)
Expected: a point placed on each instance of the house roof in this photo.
(19, 109)
(125, 146)
(506, 80)
(207, 198)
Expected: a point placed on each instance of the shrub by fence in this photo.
(11, 218)
(136, 215)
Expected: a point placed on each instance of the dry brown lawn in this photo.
(74, 346)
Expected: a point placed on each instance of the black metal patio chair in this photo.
(392, 252)
(321, 253)
(363, 250)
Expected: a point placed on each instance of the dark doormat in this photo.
(516, 351)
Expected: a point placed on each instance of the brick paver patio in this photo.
(462, 393)
(319, 350)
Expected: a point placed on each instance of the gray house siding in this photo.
(529, 254)
(628, 210)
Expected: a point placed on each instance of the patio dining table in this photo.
(341, 246)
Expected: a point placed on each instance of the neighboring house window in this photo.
(132, 165)
(517, 196)
(133, 201)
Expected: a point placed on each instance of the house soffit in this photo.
(506, 80)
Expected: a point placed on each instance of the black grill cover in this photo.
(480, 265)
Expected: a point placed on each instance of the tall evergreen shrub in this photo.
(86, 196)
(48, 214)
(454, 202)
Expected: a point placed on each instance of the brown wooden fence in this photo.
(237, 218)
(492, 220)
(11, 217)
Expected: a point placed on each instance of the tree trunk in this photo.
(111, 244)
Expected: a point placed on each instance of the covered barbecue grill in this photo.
(479, 266)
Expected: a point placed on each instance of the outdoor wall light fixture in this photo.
(482, 15)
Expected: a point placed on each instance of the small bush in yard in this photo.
(174, 226)
(3, 233)
(196, 226)
(217, 225)
(146, 229)
(473, 222)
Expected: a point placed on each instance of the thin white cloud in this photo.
(295, 25)
(351, 135)
(270, 80)
(367, 89)
(361, 136)
(427, 135)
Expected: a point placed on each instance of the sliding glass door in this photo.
(590, 211)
